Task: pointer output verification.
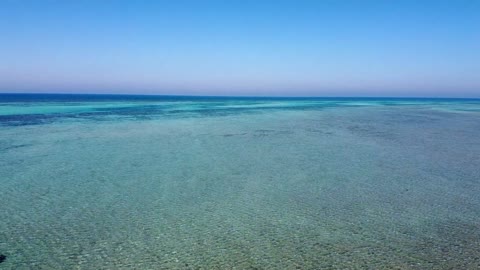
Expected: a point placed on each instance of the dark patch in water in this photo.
(263, 132)
(319, 131)
(378, 132)
(2, 258)
(270, 132)
(234, 134)
(28, 119)
(16, 146)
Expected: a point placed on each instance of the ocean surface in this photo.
(152, 182)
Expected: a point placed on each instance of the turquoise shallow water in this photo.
(122, 182)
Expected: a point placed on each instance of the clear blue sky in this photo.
(313, 48)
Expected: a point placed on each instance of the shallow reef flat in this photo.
(224, 183)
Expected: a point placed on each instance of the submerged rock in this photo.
(2, 258)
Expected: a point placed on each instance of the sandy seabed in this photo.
(242, 184)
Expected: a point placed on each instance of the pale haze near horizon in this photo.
(266, 48)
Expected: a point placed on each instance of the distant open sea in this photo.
(176, 182)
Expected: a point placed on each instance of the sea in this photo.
(179, 182)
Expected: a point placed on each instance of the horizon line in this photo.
(232, 96)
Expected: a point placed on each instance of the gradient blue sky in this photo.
(303, 48)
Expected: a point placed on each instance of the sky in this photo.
(262, 47)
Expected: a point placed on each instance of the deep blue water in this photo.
(45, 108)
